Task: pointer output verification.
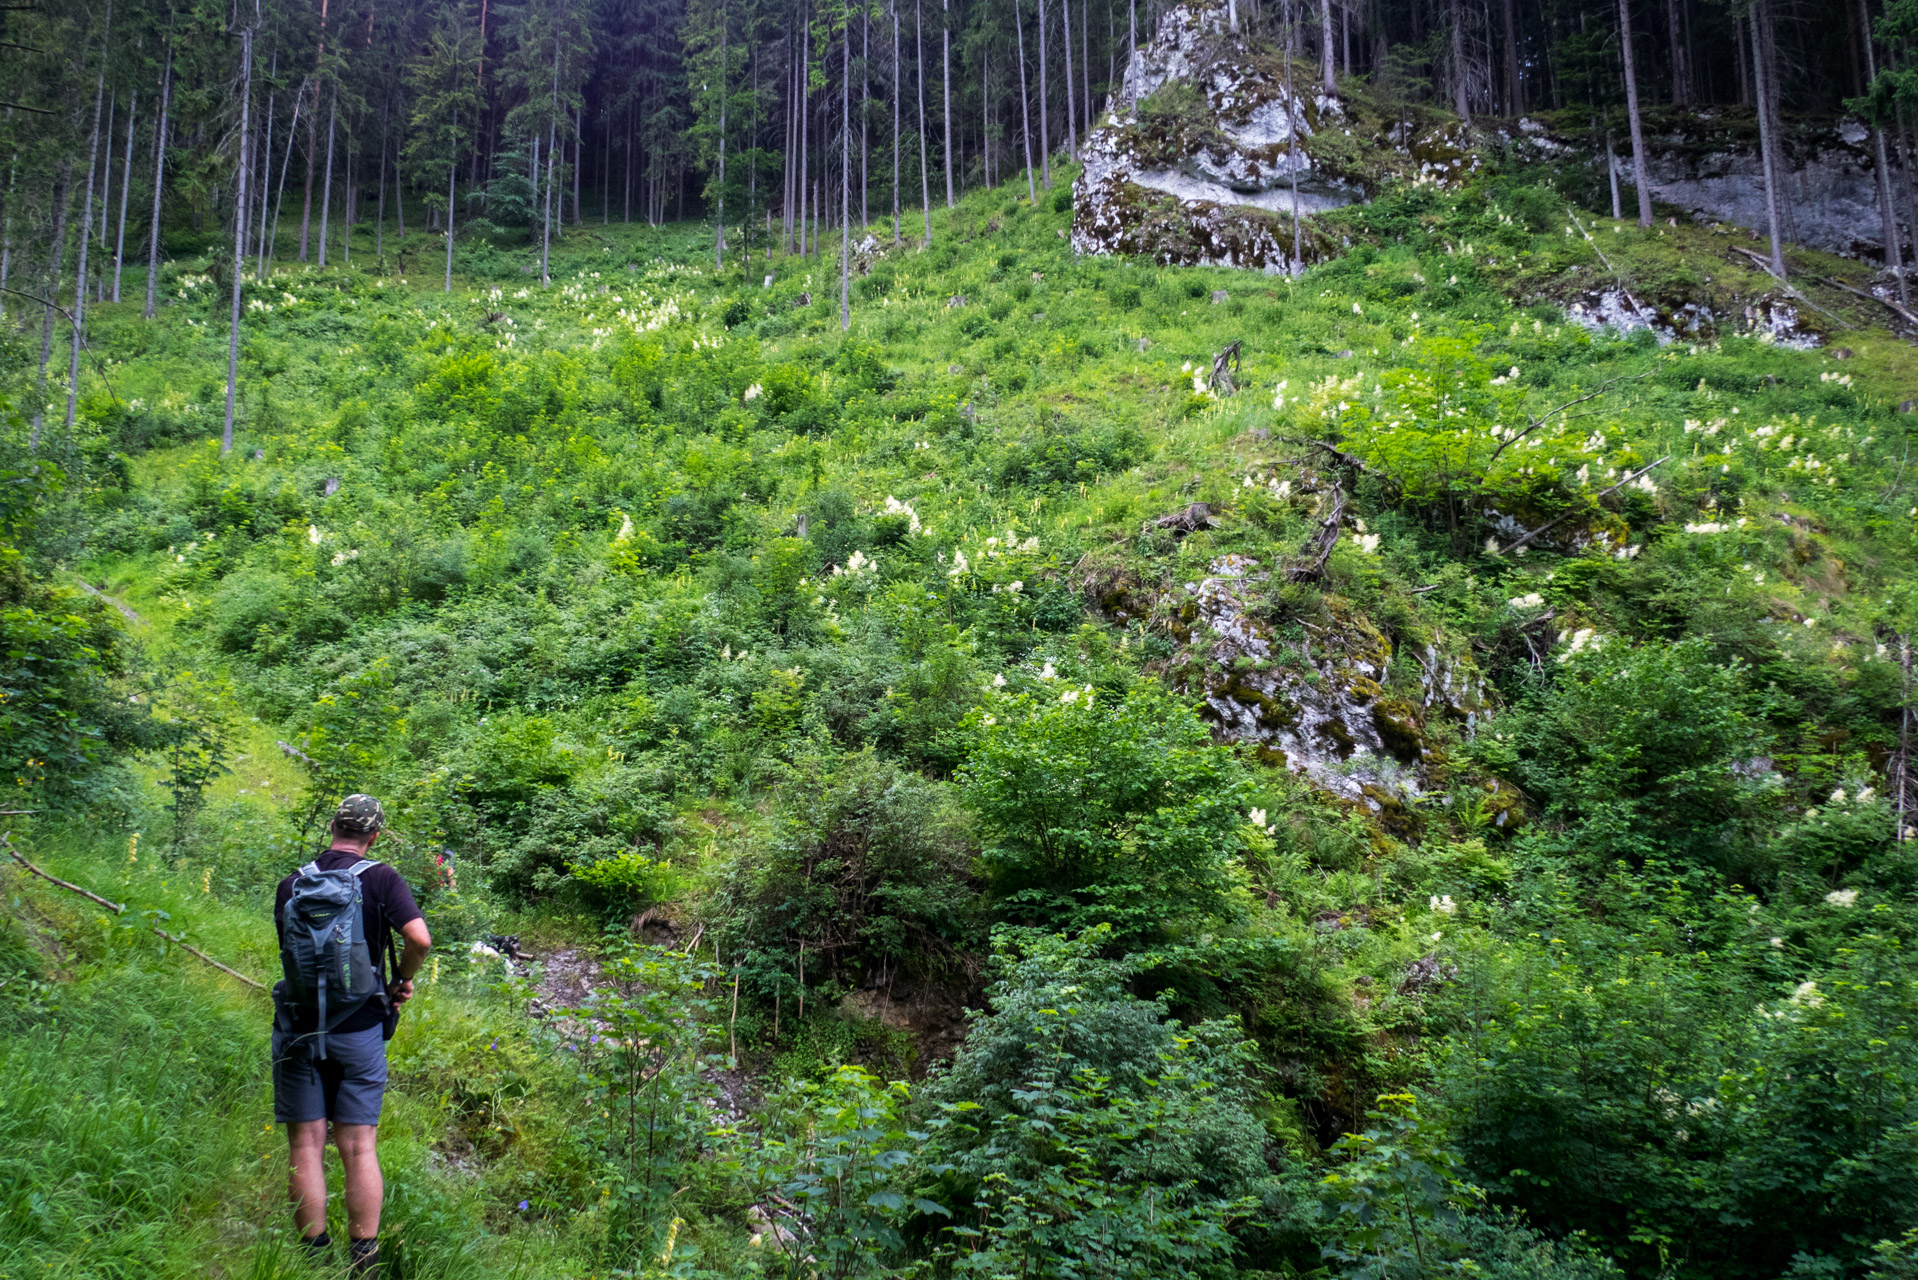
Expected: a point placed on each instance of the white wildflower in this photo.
(1807, 994)
(1842, 897)
(1368, 543)
(1258, 817)
(960, 567)
(625, 529)
(999, 681)
(1443, 904)
(1048, 673)
(753, 392)
(1838, 796)
(1531, 600)
(1069, 696)
(313, 534)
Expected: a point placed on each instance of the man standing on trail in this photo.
(333, 1014)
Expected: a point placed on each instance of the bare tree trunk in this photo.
(896, 84)
(719, 228)
(266, 170)
(1894, 256)
(126, 186)
(159, 177)
(1514, 86)
(845, 179)
(1327, 80)
(1292, 145)
(6, 233)
(1460, 104)
(243, 188)
(1045, 140)
(1025, 100)
(804, 175)
(1765, 19)
(865, 113)
(1765, 129)
(106, 196)
(452, 169)
(552, 145)
(579, 160)
(86, 231)
(1639, 177)
(1132, 33)
(326, 185)
(1085, 61)
(1072, 134)
(379, 203)
(56, 267)
(1681, 59)
(1611, 169)
(925, 177)
(945, 61)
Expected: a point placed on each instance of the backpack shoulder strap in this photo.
(363, 866)
(310, 869)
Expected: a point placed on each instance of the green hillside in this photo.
(790, 692)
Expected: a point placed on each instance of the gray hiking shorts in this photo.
(345, 1087)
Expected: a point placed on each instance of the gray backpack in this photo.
(331, 967)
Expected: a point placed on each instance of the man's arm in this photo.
(412, 956)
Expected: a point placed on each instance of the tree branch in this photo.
(97, 366)
(1553, 524)
(1552, 413)
(118, 908)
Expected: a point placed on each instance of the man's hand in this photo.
(400, 992)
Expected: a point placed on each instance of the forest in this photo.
(1209, 640)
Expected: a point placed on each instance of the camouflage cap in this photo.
(358, 815)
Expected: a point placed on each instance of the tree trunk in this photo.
(896, 84)
(326, 183)
(1072, 133)
(1327, 80)
(845, 178)
(1514, 85)
(1765, 129)
(126, 186)
(243, 188)
(1765, 21)
(719, 227)
(865, 113)
(1611, 169)
(1045, 131)
(265, 168)
(1894, 256)
(1025, 101)
(159, 179)
(56, 267)
(86, 232)
(279, 195)
(945, 62)
(1460, 104)
(106, 196)
(925, 176)
(452, 169)
(6, 233)
(1639, 176)
(552, 145)
(1681, 61)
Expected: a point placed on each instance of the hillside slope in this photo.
(1435, 720)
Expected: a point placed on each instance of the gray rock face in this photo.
(1708, 163)
(1206, 189)
(1320, 703)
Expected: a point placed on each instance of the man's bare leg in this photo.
(306, 1175)
(364, 1187)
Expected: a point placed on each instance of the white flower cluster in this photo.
(1582, 639)
(858, 563)
(1257, 817)
(1530, 600)
(1504, 378)
(1443, 904)
(894, 507)
(753, 393)
(1277, 488)
(1842, 379)
(995, 548)
(1278, 393)
(960, 565)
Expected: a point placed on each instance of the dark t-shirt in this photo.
(384, 895)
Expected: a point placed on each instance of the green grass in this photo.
(668, 685)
